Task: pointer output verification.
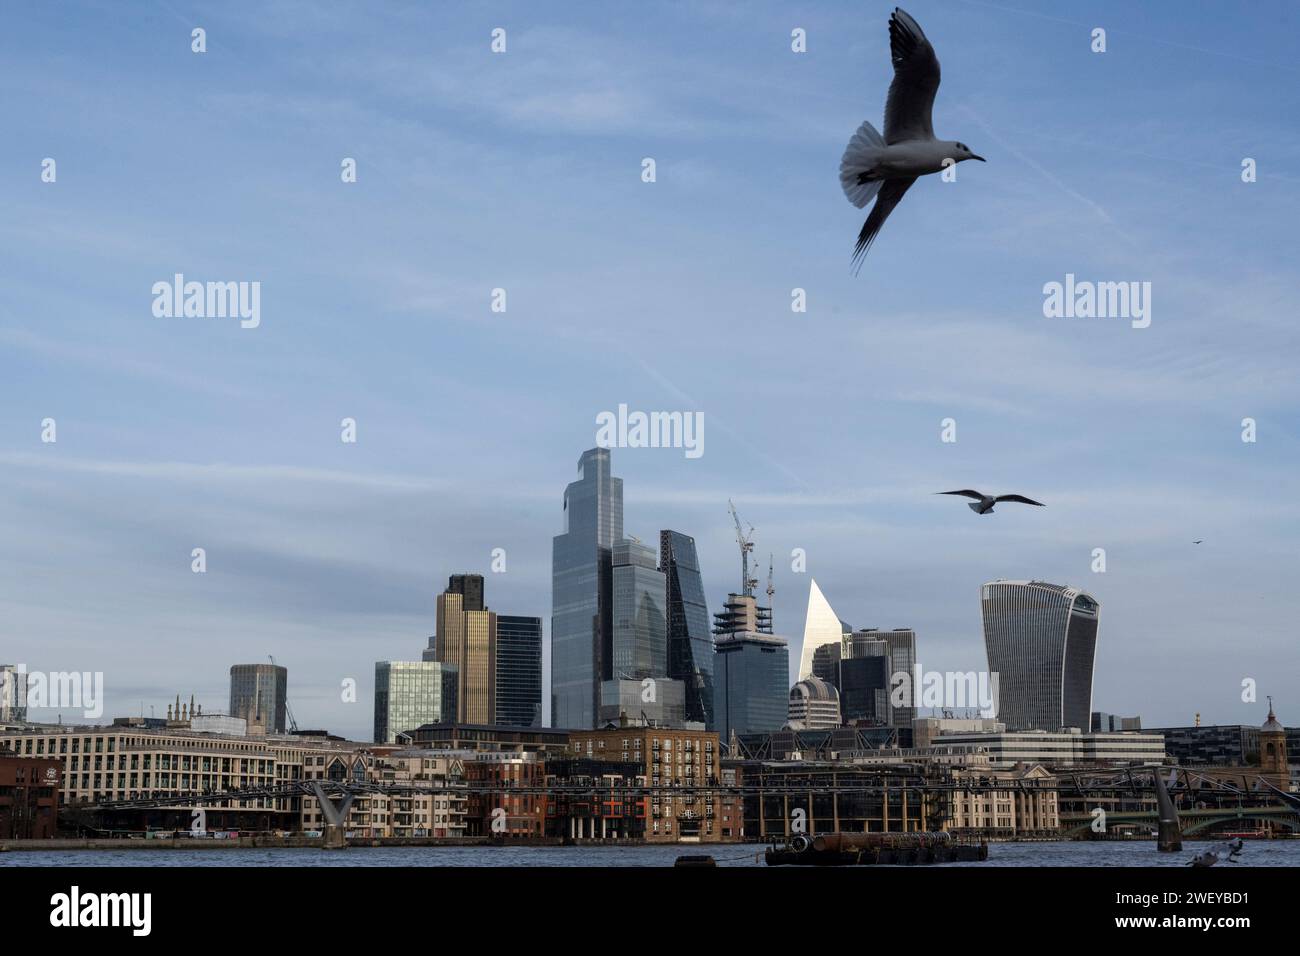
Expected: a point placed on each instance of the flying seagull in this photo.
(984, 503)
(885, 167)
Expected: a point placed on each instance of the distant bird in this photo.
(984, 503)
(888, 165)
(1198, 541)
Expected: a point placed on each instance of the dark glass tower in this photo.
(690, 645)
(470, 587)
(1041, 641)
(751, 684)
(519, 671)
(581, 591)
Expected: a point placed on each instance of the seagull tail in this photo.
(860, 158)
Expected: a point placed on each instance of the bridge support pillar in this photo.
(1169, 837)
(334, 835)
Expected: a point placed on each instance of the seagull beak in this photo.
(980, 158)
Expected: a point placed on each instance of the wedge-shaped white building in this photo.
(820, 628)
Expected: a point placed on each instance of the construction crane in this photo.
(288, 711)
(770, 590)
(746, 542)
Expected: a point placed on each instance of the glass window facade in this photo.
(751, 684)
(581, 585)
(639, 639)
(1041, 641)
(410, 694)
(258, 693)
(519, 671)
(690, 644)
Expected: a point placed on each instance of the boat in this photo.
(866, 849)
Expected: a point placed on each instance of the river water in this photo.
(1256, 853)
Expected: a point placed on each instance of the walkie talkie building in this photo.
(1041, 641)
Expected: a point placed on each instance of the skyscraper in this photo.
(466, 639)
(751, 680)
(639, 636)
(690, 645)
(519, 671)
(821, 627)
(258, 693)
(901, 642)
(410, 694)
(13, 694)
(582, 591)
(1041, 641)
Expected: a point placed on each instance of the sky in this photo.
(523, 171)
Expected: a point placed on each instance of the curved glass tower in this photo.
(1041, 641)
(690, 645)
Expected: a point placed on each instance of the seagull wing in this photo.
(1020, 498)
(916, 80)
(886, 200)
(965, 491)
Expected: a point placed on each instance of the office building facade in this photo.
(581, 590)
(751, 684)
(519, 671)
(1041, 641)
(466, 640)
(690, 644)
(258, 693)
(410, 694)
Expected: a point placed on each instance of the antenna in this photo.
(746, 542)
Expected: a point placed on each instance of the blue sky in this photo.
(522, 171)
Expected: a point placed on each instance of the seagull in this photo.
(984, 503)
(1218, 853)
(1198, 541)
(885, 167)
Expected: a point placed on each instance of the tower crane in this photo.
(746, 542)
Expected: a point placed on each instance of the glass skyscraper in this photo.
(410, 694)
(519, 671)
(690, 645)
(1041, 640)
(751, 684)
(258, 693)
(639, 639)
(581, 591)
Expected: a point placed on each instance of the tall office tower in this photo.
(581, 591)
(13, 694)
(821, 627)
(519, 671)
(1041, 641)
(751, 681)
(901, 642)
(639, 641)
(741, 614)
(690, 645)
(864, 690)
(467, 640)
(470, 588)
(258, 693)
(410, 694)
(826, 663)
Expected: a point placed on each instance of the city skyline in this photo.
(826, 426)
